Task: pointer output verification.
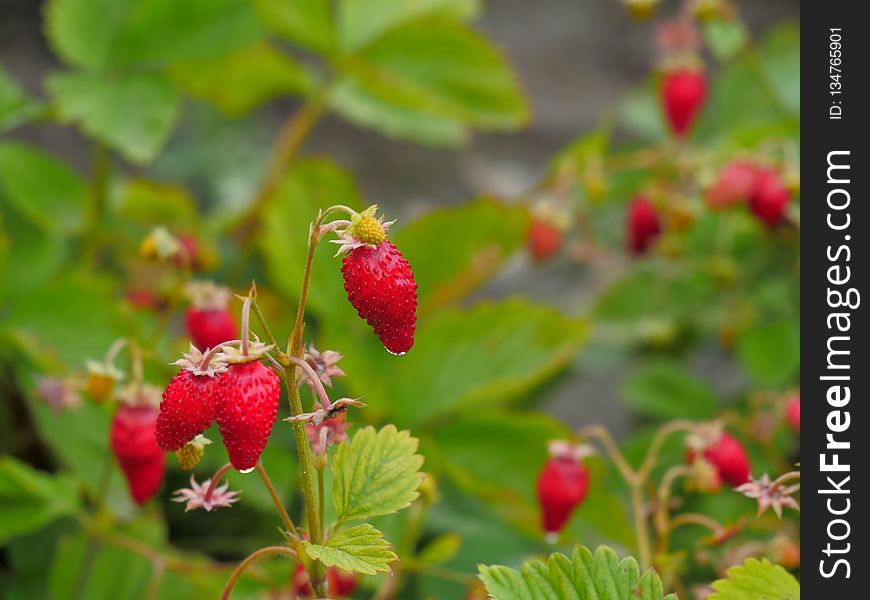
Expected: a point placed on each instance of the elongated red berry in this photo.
(248, 411)
(769, 198)
(729, 458)
(643, 225)
(188, 408)
(381, 287)
(793, 412)
(134, 446)
(544, 239)
(733, 184)
(562, 485)
(683, 94)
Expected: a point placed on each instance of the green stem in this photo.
(285, 518)
(251, 559)
(321, 496)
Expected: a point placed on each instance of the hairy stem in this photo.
(313, 378)
(251, 559)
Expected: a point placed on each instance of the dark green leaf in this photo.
(665, 390)
(30, 499)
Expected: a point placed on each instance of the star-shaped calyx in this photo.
(364, 230)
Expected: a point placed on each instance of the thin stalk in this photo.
(644, 553)
(251, 559)
(285, 518)
(313, 378)
(321, 496)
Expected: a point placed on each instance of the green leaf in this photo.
(307, 23)
(30, 499)
(310, 185)
(441, 549)
(42, 188)
(454, 250)
(770, 352)
(781, 62)
(361, 21)
(111, 34)
(430, 69)
(360, 549)
(666, 390)
(757, 579)
(151, 203)
(725, 37)
(583, 576)
(16, 106)
(241, 81)
(376, 473)
(134, 114)
(489, 354)
(498, 455)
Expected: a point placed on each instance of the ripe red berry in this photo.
(248, 411)
(769, 198)
(301, 582)
(562, 485)
(544, 239)
(381, 287)
(793, 413)
(729, 457)
(341, 583)
(210, 328)
(683, 94)
(188, 407)
(133, 444)
(733, 184)
(643, 225)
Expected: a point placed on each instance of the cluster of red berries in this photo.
(763, 189)
(235, 389)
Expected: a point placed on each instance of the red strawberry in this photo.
(793, 413)
(728, 456)
(210, 328)
(683, 95)
(769, 198)
(248, 411)
(133, 443)
(209, 323)
(341, 583)
(733, 184)
(562, 485)
(381, 287)
(188, 407)
(643, 225)
(544, 239)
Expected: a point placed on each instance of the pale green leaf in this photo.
(361, 21)
(109, 34)
(134, 114)
(16, 106)
(430, 69)
(360, 549)
(725, 37)
(583, 576)
(758, 580)
(452, 251)
(30, 499)
(307, 23)
(376, 473)
(665, 390)
(242, 80)
(42, 189)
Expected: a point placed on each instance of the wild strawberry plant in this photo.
(678, 215)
